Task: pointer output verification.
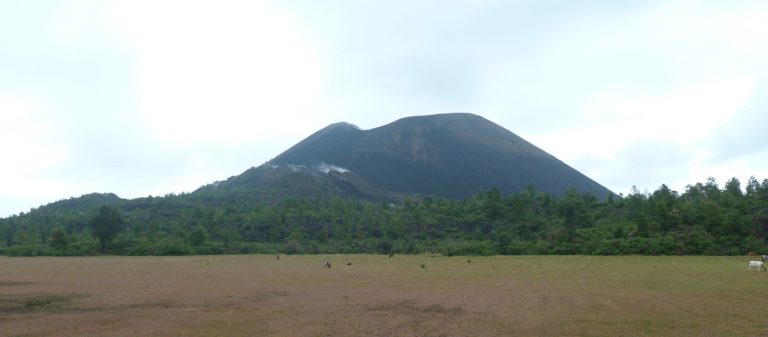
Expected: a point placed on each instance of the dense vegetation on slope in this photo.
(705, 219)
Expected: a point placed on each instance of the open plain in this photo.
(373, 295)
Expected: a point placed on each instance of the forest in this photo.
(705, 219)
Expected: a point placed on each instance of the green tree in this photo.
(106, 224)
(574, 212)
(492, 204)
(292, 247)
(711, 189)
(752, 186)
(198, 236)
(733, 187)
(662, 207)
(636, 204)
(58, 237)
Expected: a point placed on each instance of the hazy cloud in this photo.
(140, 98)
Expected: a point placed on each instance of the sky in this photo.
(143, 98)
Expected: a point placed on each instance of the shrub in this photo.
(174, 246)
(292, 247)
(29, 250)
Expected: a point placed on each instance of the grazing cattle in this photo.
(327, 264)
(758, 265)
(751, 254)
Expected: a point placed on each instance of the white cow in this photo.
(757, 265)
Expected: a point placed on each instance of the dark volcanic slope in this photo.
(332, 144)
(451, 155)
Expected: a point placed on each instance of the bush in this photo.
(516, 248)
(29, 250)
(384, 247)
(174, 246)
(292, 247)
(473, 247)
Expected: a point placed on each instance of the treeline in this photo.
(704, 219)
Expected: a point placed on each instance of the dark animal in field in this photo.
(751, 254)
(278, 256)
(327, 264)
(349, 263)
(391, 255)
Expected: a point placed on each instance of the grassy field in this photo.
(371, 295)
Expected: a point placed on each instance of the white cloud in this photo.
(683, 118)
(29, 150)
(28, 138)
(673, 75)
(228, 71)
(741, 167)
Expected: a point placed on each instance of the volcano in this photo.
(451, 155)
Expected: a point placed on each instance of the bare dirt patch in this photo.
(33, 303)
(378, 296)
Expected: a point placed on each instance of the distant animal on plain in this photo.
(278, 256)
(391, 255)
(327, 264)
(757, 265)
(751, 254)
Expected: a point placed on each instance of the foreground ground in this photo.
(369, 295)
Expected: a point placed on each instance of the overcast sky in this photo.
(152, 97)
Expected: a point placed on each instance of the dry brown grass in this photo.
(258, 295)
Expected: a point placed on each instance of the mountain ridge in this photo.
(450, 155)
